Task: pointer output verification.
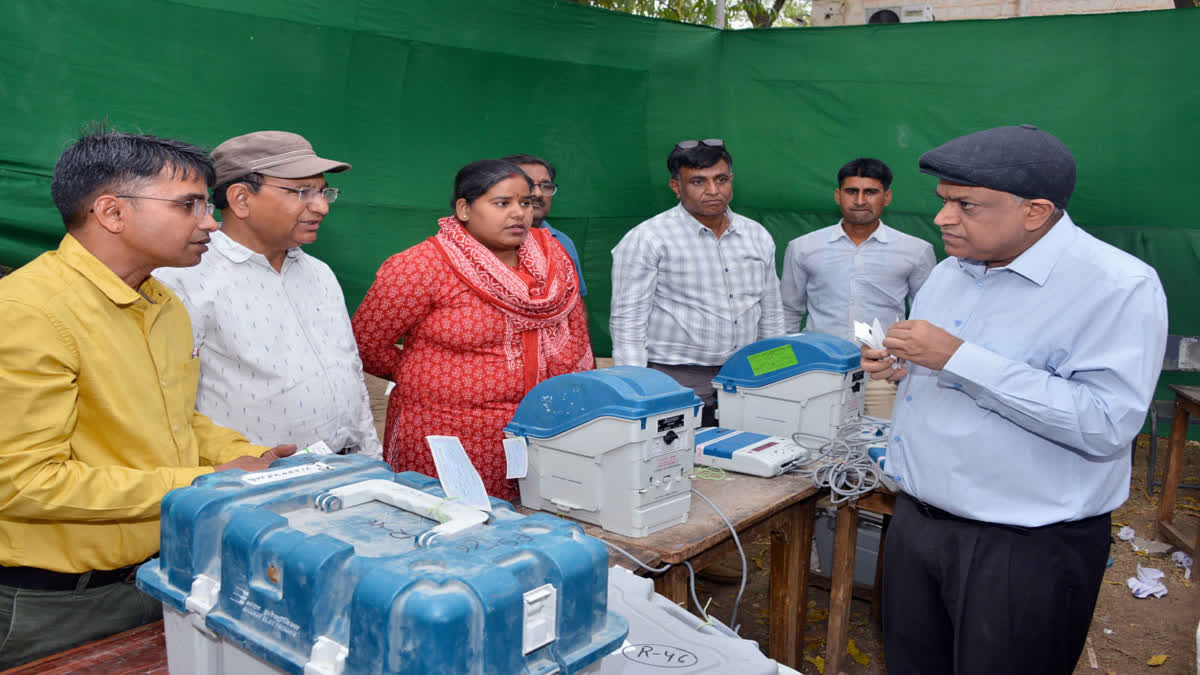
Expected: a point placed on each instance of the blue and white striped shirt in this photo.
(680, 295)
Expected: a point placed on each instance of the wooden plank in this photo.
(673, 585)
(1176, 536)
(791, 547)
(1175, 446)
(845, 543)
(140, 650)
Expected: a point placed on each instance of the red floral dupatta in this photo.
(535, 311)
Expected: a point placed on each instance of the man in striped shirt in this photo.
(697, 282)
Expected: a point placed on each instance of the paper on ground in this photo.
(1147, 582)
(457, 475)
(517, 455)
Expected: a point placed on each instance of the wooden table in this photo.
(1187, 403)
(140, 650)
(841, 577)
(783, 506)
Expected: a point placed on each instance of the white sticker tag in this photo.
(517, 454)
(318, 448)
(276, 475)
(457, 475)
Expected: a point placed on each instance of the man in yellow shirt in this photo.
(98, 383)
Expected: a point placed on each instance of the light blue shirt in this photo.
(1031, 419)
(834, 282)
(562, 238)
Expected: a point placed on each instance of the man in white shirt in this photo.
(278, 359)
(697, 282)
(857, 270)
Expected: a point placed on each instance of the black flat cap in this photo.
(1020, 160)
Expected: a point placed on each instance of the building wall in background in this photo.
(856, 12)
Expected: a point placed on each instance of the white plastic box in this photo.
(665, 638)
(613, 447)
(806, 383)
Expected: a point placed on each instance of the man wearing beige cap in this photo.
(277, 356)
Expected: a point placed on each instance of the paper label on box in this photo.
(276, 475)
(457, 475)
(318, 448)
(517, 455)
(771, 360)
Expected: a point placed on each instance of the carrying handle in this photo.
(455, 517)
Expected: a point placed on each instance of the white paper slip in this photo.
(869, 335)
(517, 454)
(457, 475)
(318, 448)
(276, 475)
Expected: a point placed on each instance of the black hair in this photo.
(699, 157)
(106, 160)
(220, 198)
(866, 167)
(476, 178)
(531, 159)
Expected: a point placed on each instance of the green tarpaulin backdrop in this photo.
(410, 91)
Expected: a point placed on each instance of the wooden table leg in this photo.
(841, 591)
(673, 584)
(1167, 531)
(791, 547)
(1166, 504)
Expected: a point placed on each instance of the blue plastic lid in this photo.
(628, 392)
(774, 359)
(726, 441)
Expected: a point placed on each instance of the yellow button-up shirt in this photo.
(97, 413)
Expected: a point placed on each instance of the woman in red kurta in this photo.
(486, 309)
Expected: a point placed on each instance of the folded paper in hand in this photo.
(870, 335)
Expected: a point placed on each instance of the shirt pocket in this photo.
(181, 381)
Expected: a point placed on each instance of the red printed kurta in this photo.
(453, 376)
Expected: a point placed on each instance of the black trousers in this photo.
(963, 597)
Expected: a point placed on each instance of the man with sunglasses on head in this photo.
(542, 174)
(98, 380)
(278, 359)
(697, 282)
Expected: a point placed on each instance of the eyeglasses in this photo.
(547, 189)
(308, 194)
(710, 142)
(198, 207)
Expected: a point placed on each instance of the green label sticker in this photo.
(772, 360)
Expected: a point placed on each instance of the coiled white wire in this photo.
(841, 463)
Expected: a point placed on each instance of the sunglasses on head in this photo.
(710, 142)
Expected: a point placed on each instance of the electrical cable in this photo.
(841, 464)
(733, 624)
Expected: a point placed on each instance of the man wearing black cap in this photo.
(278, 359)
(1025, 371)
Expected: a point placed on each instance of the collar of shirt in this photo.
(1036, 263)
(687, 218)
(881, 233)
(237, 253)
(74, 255)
